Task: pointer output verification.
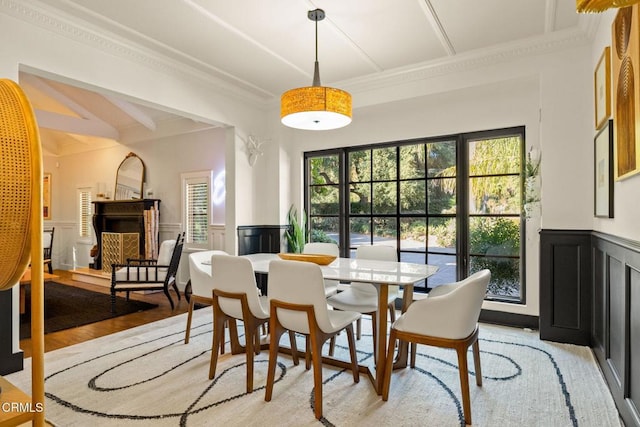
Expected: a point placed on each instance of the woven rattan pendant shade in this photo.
(18, 153)
(595, 6)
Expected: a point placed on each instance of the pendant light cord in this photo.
(316, 67)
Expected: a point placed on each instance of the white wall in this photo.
(626, 192)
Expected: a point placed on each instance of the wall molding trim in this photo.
(590, 295)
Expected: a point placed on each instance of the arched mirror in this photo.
(129, 178)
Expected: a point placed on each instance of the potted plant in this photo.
(296, 234)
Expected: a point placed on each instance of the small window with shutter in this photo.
(196, 194)
(84, 212)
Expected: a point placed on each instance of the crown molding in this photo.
(52, 20)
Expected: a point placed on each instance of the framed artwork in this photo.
(625, 69)
(603, 172)
(602, 88)
(46, 195)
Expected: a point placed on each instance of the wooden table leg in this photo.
(383, 301)
(403, 346)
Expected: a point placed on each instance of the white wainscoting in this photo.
(216, 237)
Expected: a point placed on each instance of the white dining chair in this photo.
(324, 248)
(448, 318)
(236, 296)
(302, 308)
(201, 285)
(363, 297)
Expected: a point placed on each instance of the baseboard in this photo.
(510, 319)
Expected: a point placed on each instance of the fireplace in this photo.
(126, 216)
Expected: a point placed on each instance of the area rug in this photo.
(67, 307)
(148, 376)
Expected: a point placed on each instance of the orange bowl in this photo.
(314, 258)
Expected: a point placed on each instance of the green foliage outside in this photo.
(496, 237)
(320, 236)
(420, 179)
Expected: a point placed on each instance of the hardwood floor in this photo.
(77, 335)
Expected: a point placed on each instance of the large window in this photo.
(454, 202)
(196, 196)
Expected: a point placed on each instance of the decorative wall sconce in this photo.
(254, 148)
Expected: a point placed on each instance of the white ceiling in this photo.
(263, 48)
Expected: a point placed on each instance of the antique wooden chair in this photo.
(47, 246)
(149, 274)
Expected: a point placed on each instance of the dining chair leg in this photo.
(187, 332)
(392, 312)
(414, 350)
(352, 352)
(476, 362)
(316, 356)
(294, 348)
(386, 383)
(175, 288)
(249, 338)
(359, 329)
(374, 330)
(256, 340)
(332, 346)
(236, 348)
(464, 382)
(113, 301)
(218, 332)
(168, 295)
(223, 339)
(307, 354)
(276, 332)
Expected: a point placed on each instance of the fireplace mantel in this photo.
(120, 216)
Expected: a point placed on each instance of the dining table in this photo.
(380, 274)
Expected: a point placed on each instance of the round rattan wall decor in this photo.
(19, 157)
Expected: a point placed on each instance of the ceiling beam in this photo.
(87, 124)
(132, 111)
(438, 29)
(550, 10)
(64, 123)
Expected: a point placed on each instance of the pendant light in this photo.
(315, 107)
(596, 6)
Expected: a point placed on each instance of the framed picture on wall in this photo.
(603, 171)
(625, 68)
(602, 88)
(46, 195)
